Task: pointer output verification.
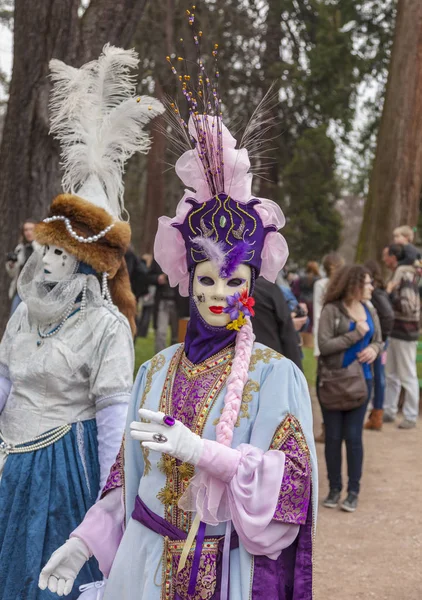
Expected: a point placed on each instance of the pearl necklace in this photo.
(69, 312)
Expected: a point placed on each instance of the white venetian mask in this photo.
(58, 264)
(210, 291)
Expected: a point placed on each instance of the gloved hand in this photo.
(180, 442)
(60, 572)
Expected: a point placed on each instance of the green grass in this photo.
(144, 349)
(309, 365)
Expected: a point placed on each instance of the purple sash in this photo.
(287, 578)
(150, 519)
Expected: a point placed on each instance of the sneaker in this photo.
(350, 504)
(332, 500)
(386, 418)
(406, 424)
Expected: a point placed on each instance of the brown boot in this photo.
(320, 439)
(374, 421)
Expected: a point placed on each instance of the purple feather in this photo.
(214, 251)
(234, 258)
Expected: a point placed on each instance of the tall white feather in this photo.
(99, 124)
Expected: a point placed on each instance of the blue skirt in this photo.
(44, 496)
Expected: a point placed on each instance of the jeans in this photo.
(379, 382)
(345, 425)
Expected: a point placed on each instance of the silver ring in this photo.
(158, 437)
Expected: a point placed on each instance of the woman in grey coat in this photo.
(349, 330)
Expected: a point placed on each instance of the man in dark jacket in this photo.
(165, 308)
(138, 273)
(272, 324)
(401, 354)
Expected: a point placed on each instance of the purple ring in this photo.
(169, 421)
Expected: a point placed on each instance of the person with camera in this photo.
(16, 260)
(349, 340)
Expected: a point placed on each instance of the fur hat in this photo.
(105, 255)
(86, 220)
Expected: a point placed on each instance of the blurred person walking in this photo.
(331, 263)
(303, 289)
(349, 339)
(148, 300)
(165, 308)
(382, 304)
(16, 260)
(402, 350)
(138, 273)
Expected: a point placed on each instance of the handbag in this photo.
(342, 389)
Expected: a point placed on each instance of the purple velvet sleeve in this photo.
(117, 473)
(295, 490)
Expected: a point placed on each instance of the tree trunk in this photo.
(29, 157)
(396, 179)
(154, 205)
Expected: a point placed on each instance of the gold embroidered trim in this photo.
(214, 362)
(207, 574)
(179, 475)
(265, 355)
(166, 464)
(157, 363)
(147, 462)
(251, 386)
(289, 426)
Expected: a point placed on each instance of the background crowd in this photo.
(366, 315)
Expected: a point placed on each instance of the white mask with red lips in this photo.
(58, 264)
(210, 291)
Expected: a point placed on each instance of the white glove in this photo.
(60, 572)
(180, 442)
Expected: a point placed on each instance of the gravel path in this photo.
(375, 552)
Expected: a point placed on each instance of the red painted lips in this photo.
(217, 310)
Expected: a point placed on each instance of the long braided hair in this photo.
(235, 384)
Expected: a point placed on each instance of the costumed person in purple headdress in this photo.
(213, 494)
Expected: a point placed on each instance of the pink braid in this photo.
(235, 384)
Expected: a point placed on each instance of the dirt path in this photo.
(375, 552)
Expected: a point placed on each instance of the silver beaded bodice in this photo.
(66, 378)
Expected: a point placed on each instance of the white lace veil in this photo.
(47, 303)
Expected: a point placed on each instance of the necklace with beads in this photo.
(69, 312)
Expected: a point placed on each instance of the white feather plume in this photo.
(99, 123)
(213, 250)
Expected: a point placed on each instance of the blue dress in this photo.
(44, 495)
(58, 384)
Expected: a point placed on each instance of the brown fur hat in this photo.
(105, 255)
(87, 220)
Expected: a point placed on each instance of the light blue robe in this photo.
(137, 569)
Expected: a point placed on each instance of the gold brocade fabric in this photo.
(189, 394)
(175, 582)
